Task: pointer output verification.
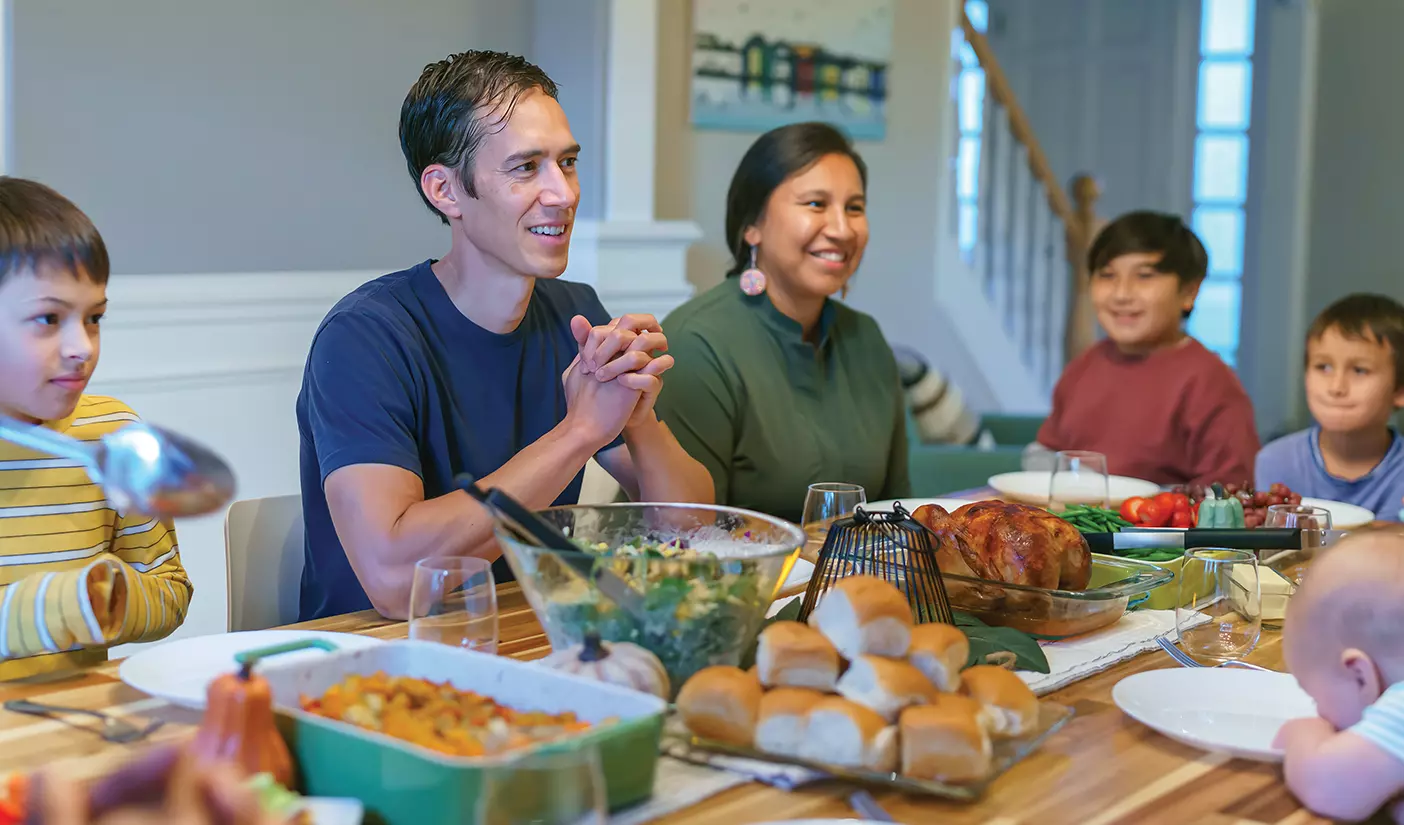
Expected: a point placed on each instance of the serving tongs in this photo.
(530, 529)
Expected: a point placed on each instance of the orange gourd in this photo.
(238, 727)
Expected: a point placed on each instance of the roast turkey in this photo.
(1010, 543)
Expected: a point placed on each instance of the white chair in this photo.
(599, 487)
(263, 561)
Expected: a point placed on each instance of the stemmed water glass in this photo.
(826, 503)
(1079, 477)
(1219, 614)
(1314, 522)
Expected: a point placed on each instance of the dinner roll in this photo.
(1012, 706)
(783, 721)
(791, 654)
(885, 685)
(939, 651)
(865, 615)
(721, 702)
(946, 740)
(847, 734)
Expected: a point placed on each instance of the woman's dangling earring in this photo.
(752, 279)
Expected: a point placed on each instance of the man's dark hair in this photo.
(774, 157)
(451, 107)
(39, 227)
(1182, 253)
(1378, 319)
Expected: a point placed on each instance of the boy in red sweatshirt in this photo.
(1154, 400)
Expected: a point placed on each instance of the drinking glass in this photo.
(454, 601)
(1079, 477)
(1313, 522)
(550, 788)
(826, 503)
(1221, 586)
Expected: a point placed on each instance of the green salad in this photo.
(697, 606)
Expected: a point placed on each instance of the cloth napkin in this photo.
(1081, 656)
(678, 785)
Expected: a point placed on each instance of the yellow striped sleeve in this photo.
(105, 603)
(160, 589)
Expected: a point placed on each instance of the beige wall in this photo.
(897, 280)
(1357, 192)
(208, 136)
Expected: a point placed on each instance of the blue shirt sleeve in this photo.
(360, 397)
(1382, 724)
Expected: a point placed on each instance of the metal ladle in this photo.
(141, 467)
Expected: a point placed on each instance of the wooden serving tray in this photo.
(679, 743)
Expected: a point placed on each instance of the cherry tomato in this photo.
(1181, 503)
(1194, 515)
(1131, 509)
(1166, 501)
(1153, 515)
(1181, 518)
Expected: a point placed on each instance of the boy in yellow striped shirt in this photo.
(76, 576)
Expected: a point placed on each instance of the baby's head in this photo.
(1343, 637)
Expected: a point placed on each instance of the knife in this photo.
(530, 529)
(1260, 538)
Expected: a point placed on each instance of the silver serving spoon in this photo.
(141, 467)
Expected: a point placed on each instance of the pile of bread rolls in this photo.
(862, 686)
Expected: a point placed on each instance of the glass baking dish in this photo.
(1058, 614)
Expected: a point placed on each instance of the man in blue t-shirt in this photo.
(478, 362)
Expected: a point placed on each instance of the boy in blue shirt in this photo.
(1354, 384)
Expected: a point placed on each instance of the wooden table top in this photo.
(1101, 769)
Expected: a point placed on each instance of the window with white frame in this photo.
(1221, 168)
(969, 95)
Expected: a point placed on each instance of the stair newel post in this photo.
(1081, 329)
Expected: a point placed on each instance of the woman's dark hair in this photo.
(1182, 253)
(447, 112)
(40, 226)
(772, 159)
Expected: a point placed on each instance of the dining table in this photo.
(1101, 768)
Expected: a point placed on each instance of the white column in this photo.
(636, 263)
(631, 84)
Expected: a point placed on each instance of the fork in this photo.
(114, 730)
(1188, 661)
(867, 807)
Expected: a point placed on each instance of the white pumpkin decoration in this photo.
(616, 663)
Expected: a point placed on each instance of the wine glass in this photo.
(1079, 477)
(1219, 614)
(547, 788)
(1314, 522)
(826, 503)
(454, 601)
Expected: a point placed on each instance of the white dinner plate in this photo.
(1230, 710)
(799, 575)
(1031, 487)
(180, 671)
(911, 504)
(1343, 516)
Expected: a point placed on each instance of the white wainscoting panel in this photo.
(218, 357)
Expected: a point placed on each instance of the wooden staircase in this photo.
(1032, 234)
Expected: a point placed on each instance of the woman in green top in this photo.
(775, 385)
